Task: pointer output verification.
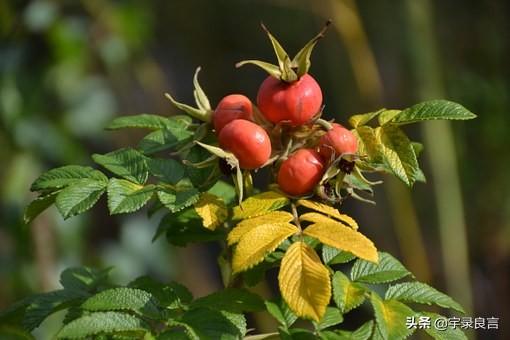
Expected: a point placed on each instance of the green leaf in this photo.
(126, 197)
(287, 73)
(167, 170)
(332, 317)
(8, 332)
(332, 255)
(362, 333)
(235, 300)
(178, 200)
(368, 144)
(388, 269)
(61, 177)
(398, 153)
(79, 197)
(103, 323)
(224, 190)
(200, 114)
(148, 121)
(130, 299)
(387, 115)
(363, 118)
(391, 317)
(199, 94)
(164, 139)
(433, 110)
(43, 305)
(38, 205)
(201, 178)
(207, 324)
(449, 333)
(84, 279)
(281, 312)
(127, 163)
(171, 295)
(346, 294)
(421, 293)
(186, 227)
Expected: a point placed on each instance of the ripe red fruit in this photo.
(233, 106)
(295, 102)
(338, 139)
(301, 172)
(247, 141)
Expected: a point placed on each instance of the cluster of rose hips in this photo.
(289, 105)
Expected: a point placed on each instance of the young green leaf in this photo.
(363, 118)
(127, 163)
(388, 269)
(346, 294)
(390, 316)
(61, 177)
(126, 197)
(433, 110)
(387, 115)
(38, 205)
(234, 300)
(258, 242)
(260, 204)
(79, 197)
(148, 121)
(421, 293)
(304, 282)
(103, 323)
(129, 299)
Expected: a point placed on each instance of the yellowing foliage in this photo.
(246, 225)
(258, 242)
(330, 211)
(260, 204)
(304, 282)
(212, 210)
(344, 238)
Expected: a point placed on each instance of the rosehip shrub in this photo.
(338, 140)
(233, 106)
(296, 102)
(294, 225)
(247, 141)
(301, 172)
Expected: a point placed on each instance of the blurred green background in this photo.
(68, 67)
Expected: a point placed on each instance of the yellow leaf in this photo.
(344, 238)
(258, 242)
(260, 204)
(246, 225)
(318, 218)
(304, 282)
(212, 210)
(330, 211)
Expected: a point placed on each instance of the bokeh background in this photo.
(68, 67)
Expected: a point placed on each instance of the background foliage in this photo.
(67, 68)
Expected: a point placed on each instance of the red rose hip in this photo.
(339, 140)
(295, 102)
(301, 172)
(233, 106)
(247, 141)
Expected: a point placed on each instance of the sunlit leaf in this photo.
(388, 269)
(258, 242)
(147, 121)
(60, 177)
(212, 210)
(304, 282)
(260, 204)
(344, 238)
(327, 210)
(363, 118)
(433, 110)
(125, 196)
(248, 224)
(347, 294)
(391, 317)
